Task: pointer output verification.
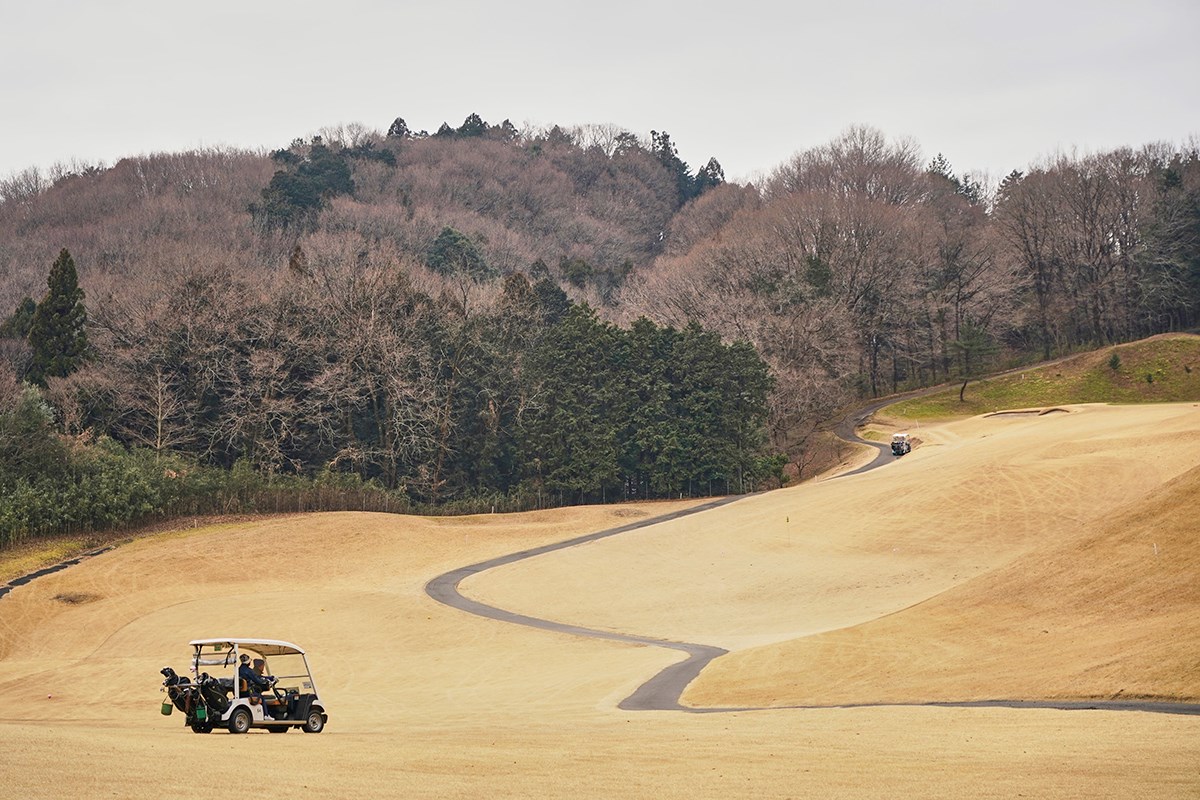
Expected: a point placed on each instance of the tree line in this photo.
(355, 384)
(858, 270)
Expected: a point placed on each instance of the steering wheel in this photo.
(279, 693)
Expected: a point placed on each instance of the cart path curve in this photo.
(663, 691)
(70, 562)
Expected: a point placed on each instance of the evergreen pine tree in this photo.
(452, 251)
(664, 150)
(473, 125)
(17, 326)
(399, 129)
(709, 176)
(569, 435)
(653, 454)
(58, 334)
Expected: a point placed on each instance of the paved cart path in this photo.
(24, 579)
(663, 691)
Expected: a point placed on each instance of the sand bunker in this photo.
(930, 578)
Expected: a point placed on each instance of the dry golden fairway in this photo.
(1006, 557)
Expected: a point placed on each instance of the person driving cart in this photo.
(256, 682)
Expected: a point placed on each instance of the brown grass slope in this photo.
(427, 701)
(1109, 612)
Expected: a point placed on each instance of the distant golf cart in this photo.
(222, 699)
(901, 444)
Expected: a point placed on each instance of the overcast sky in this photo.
(992, 85)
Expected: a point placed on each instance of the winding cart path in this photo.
(663, 691)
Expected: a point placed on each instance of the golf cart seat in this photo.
(245, 690)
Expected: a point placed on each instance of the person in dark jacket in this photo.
(255, 683)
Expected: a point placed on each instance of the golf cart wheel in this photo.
(315, 722)
(240, 721)
(201, 727)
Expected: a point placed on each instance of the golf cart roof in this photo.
(267, 647)
(897, 436)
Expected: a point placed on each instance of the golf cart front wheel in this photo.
(315, 722)
(240, 721)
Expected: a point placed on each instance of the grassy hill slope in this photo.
(1161, 369)
(1104, 609)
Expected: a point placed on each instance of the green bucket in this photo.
(201, 713)
(167, 708)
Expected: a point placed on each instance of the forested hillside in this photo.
(486, 315)
(857, 269)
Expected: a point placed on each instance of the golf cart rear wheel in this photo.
(315, 722)
(201, 727)
(240, 721)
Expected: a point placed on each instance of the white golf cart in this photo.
(289, 699)
(901, 444)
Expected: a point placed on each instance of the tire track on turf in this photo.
(663, 691)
